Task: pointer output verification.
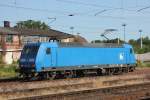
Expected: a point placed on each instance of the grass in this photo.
(7, 71)
(144, 64)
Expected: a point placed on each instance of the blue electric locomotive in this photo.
(51, 59)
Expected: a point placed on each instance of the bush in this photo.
(7, 71)
(143, 64)
(1, 59)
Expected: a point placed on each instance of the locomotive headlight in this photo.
(22, 60)
(21, 65)
(31, 60)
(33, 65)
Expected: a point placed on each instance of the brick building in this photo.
(12, 40)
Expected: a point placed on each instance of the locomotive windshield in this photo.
(30, 50)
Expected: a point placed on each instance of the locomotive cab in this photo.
(130, 56)
(27, 61)
(36, 56)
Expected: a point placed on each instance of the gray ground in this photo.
(143, 57)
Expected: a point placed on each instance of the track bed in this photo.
(18, 89)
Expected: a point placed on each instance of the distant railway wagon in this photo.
(53, 59)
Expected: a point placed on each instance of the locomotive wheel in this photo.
(42, 75)
(68, 74)
(107, 71)
(112, 71)
(127, 70)
(131, 69)
(99, 72)
(79, 73)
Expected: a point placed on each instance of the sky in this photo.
(90, 18)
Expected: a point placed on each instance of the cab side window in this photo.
(48, 51)
(131, 51)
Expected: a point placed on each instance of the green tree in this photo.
(31, 24)
(136, 45)
(1, 61)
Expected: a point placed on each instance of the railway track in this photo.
(70, 86)
(17, 89)
(128, 92)
(16, 79)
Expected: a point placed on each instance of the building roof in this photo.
(80, 39)
(11, 50)
(35, 32)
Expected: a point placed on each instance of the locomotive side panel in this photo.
(90, 56)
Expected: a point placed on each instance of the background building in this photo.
(12, 40)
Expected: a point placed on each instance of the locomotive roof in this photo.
(92, 45)
(102, 45)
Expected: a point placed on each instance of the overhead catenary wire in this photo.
(74, 14)
(143, 8)
(100, 12)
(101, 6)
(86, 4)
(43, 10)
(64, 12)
(89, 14)
(33, 9)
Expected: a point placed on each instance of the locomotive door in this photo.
(127, 59)
(48, 58)
(53, 57)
